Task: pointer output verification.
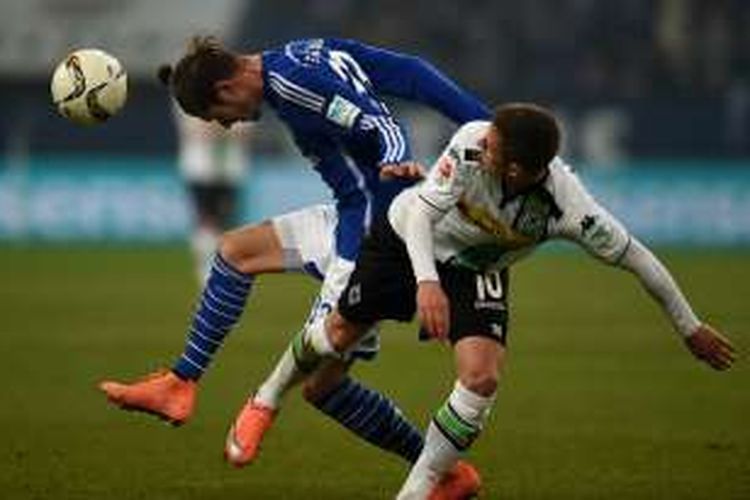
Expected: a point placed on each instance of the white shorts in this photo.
(307, 239)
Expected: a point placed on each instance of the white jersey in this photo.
(209, 153)
(482, 229)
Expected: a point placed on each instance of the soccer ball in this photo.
(89, 86)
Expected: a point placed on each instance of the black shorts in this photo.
(216, 202)
(382, 286)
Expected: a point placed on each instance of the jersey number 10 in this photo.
(489, 285)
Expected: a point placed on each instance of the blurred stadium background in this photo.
(95, 275)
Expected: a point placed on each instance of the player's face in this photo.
(227, 114)
(234, 103)
(491, 157)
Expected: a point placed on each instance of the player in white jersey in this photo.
(213, 162)
(496, 193)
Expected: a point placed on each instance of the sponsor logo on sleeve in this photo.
(343, 112)
(472, 155)
(597, 232)
(587, 223)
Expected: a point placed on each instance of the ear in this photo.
(514, 169)
(224, 90)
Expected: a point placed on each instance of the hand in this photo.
(711, 347)
(433, 309)
(406, 170)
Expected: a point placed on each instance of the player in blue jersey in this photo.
(329, 93)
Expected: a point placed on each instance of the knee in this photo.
(312, 391)
(321, 384)
(251, 249)
(231, 249)
(341, 333)
(480, 381)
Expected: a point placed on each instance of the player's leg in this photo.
(459, 421)
(243, 254)
(376, 289)
(478, 330)
(342, 229)
(380, 287)
(369, 414)
(299, 362)
(259, 412)
(364, 411)
(309, 241)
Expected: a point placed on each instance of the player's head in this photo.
(208, 82)
(520, 144)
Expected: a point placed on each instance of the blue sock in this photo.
(220, 306)
(373, 417)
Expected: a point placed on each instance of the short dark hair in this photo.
(193, 79)
(529, 135)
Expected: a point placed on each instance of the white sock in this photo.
(472, 407)
(437, 457)
(452, 430)
(282, 378)
(286, 373)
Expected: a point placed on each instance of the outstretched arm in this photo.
(414, 79)
(603, 236)
(703, 341)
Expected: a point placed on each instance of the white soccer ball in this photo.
(89, 86)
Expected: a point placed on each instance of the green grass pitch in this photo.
(599, 399)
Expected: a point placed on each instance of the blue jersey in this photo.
(328, 93)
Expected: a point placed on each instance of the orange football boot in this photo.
(460, 483)
(245, 435)
(161, 393)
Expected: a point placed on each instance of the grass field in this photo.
(600, 400)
